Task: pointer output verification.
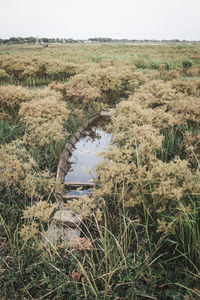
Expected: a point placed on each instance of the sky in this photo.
(83, 19)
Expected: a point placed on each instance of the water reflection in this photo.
(84, 157)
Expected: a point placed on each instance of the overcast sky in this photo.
(133, 19)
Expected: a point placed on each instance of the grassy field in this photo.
(141, 230)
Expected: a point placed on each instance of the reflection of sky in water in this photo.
(85, 157)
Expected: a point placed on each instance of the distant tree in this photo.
(44, 40)
(69, 40)
(31, 40)
(14, 40)
(100, 40)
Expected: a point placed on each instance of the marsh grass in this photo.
(125, 259)
(34, 66)
(10, 130)
(171, 143)
(140, 237)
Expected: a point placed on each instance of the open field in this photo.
(141, 232)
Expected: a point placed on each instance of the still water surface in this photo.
(84, 157)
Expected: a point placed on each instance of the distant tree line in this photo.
(34, 40)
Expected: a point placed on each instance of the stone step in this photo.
(106, 113)
(64, 228)
(79, 184)
(66, 218)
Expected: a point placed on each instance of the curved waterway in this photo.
(85, 157)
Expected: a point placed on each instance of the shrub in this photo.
(171, 74)
(16, 65)
(133, 175)
(32, 69)
(116, 82)
(21, 180)
(44, 140)
(41, 132)
(3, 75)
(40, 185)
(188, 110)
(156, 93)
(152, 75)
(187, 87)
(47, 109)
(78, 89)
(58, 70)
(44, 93)
(11, 97)
(36, 214)
(193, 71)
(190, 148)
(15, 163)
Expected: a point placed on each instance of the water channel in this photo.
(85, 158)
